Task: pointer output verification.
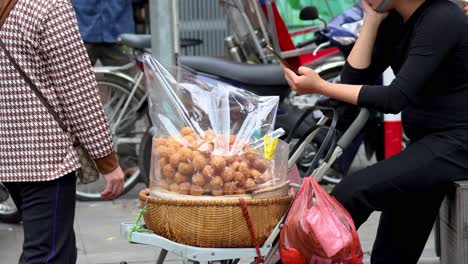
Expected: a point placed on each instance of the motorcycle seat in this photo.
(248, 74)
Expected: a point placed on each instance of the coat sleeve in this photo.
(74, 82)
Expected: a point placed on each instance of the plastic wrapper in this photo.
(209, 137)
(318, 230)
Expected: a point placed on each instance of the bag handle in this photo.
(34, 88)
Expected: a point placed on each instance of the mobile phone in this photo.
(283, 61)
(382, 7)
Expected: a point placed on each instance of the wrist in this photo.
(322, 87)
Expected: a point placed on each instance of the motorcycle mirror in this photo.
(309, 13)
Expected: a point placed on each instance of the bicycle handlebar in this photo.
(354, 129)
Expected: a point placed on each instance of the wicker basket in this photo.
(214, 224)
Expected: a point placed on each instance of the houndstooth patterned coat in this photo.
(43, 37)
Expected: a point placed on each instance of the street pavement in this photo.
(97, 228)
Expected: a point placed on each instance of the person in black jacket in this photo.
(426, 45)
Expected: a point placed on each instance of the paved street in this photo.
(97, 230)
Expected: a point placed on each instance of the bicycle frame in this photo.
(117, 71)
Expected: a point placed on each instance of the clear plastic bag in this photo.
(209, 135)
(318, 230)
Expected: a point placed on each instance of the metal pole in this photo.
(163, 25)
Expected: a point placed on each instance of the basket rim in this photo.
(145, 197)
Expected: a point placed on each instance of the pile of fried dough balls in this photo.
(191, 168)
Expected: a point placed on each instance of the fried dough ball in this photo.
(185, 168)
(173, 141)
(217, 192)
(186, 131)
(206, 148)
(199, 162)
(255, 174)
(163, 162)
(191, 140)
(229, 160)
(209, 135)
(175, 159)
(180, 178)
(168, 172)
(229, 188)
(174, 146)
(251, 155)
(235, 165)
(174, 188)
(239, 177)
(159, 142)
(208, 171)
(171, 150)
(218, 163)
(163, 151)
(227, 175)
(186, 154)
(198, 179)
(196, 190)
(163, 184)
(207, 187)
(216, 182)
(250, 184)
(260, 165)
(244, 168)
(184, 188)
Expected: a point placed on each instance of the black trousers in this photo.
(408, 189)
(48, 212)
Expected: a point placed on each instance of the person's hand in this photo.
(308, 82)
(114, 184)
(372, 16)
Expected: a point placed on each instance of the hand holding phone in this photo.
(283, 61)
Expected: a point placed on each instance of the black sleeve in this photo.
(380, 58)
(434, 36)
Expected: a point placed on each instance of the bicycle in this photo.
(123, 98)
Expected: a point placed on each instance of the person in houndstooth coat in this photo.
(37, 159)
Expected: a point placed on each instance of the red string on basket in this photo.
(259, 259)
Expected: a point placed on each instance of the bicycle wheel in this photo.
(114, 91)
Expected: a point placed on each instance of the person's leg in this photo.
(404, 230)
(415, 179)
(48, 214)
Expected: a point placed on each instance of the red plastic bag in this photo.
(318, 231)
